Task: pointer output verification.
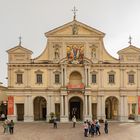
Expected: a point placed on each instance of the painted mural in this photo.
(75, 53)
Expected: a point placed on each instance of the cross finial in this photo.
(74, 12)
(20, 40)
(130, 40)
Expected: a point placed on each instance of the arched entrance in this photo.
(111, 108)
(76, 108)
(40, 108)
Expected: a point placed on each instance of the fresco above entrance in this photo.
(75, 53)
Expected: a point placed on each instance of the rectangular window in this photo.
(94, 78)
(57, 78)
(131, 78)
(111, 78)
(39, 78)
(19, 79)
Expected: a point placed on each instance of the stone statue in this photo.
(93, 53)
(74, 29)
(56, 53)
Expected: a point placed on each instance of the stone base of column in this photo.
(88, 117)
(64, 119)
(28, 119)
(123, 118)
(12, 117)
(137, 118)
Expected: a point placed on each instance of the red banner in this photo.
(138, 104)
(79, 86)
(10, 105)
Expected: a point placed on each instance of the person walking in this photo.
(85, 129)
(74, 121)
(106, 127)
(11, 127)
(3, 117)
(54, 122)
(98, 128)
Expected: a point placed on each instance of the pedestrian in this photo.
(93, 129)
(11, 127)
(98, 128)
(74, 121)
(4, 127)
(54, 122)
(106, 127)
(3, 116)
(85, 129)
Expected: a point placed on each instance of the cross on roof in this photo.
(74, 12)
(130, 40)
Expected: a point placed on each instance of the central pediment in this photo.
(74, 28)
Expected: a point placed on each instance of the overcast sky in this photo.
(32, 18)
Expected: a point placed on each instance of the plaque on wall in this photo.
(75, 53)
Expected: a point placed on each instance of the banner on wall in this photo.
(139, 105)
(10, 105)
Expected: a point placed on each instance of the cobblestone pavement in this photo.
(45, 131)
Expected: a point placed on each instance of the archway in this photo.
(40, 108)
(75, 78)
(111, 108)
(76, 108)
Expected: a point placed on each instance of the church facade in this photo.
(74, 75)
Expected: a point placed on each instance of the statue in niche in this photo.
(93, 53)
(56, 53)
(74, 29)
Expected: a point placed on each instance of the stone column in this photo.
(123, 108)
(62, 106)
(31, 108)
(138, 94)
(66, 105)
(122, 78)
(27, 81)
(85, 79)
(52, 109)
(28, 109)
(138, 78)
(101, 107)
(51, 77)
(101, 78)
(85, 105)
(48, 106)
(63, 75)
(11, 82)
(126, 108)
(90, 108)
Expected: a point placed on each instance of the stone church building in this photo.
(74, 75)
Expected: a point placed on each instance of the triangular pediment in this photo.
(74, 28)
(19, 49)
(129, 50)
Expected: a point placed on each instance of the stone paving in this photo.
(45, 131)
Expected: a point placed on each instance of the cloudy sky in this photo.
(32, 18)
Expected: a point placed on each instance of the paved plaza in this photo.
(45, 131)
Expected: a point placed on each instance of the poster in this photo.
(10, 105)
